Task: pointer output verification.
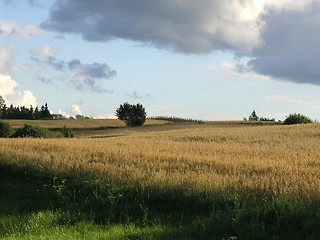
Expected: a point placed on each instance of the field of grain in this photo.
(256, 160)
(77, 123)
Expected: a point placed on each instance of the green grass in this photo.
(37, 204)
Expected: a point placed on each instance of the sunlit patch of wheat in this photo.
(270, 159)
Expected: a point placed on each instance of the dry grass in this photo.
(78, 124)
(271, 160)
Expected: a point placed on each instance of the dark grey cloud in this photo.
(291, 46)
(55, 63)
(87, 75)
(45, 80)
(84, 76)
(51, 61)
(281, 38)
(95, 70)
(185, 26)
(74, 64)
(134, 95)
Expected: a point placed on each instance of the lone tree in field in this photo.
(132, 115)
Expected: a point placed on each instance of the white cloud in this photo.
(230, 71)
(6, 62)
(294, 100)
(25, 98)
(292, 5)
(105, 117)
(63, 113)
(44, 51)
(291, 99)
(10, 29)
(285, 98)
(75, 109)
(11, 96)
(7, 85)
(31, 2)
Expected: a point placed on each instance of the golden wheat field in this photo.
(275, 160)
(78, 124)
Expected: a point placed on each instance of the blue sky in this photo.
(211, 60)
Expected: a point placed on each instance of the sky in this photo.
(204, 59)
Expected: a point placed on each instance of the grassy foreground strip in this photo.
(35, 204)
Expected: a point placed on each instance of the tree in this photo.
(4, 112)
(297, 118)
(253, 116)
(32, 132)
(23, 112)
(36, 113)
(79, 117)
(45, 113)
(132, 115)
(67, 132)
(2, 104)
(58, 116)
(5, 130)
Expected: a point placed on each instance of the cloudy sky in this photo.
(204, 59)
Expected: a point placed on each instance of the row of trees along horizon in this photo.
(132, 115)
(23, 112)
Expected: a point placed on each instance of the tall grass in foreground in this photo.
(202, 183)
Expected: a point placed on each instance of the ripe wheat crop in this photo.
(273, 160)
(77, 124)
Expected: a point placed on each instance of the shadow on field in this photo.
(180, 214)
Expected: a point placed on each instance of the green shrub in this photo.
(5, 130)
(32, 131)
(297, 118)
(67, 132)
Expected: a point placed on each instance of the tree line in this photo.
(23, 112)
(132, 115)
(254, 117)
